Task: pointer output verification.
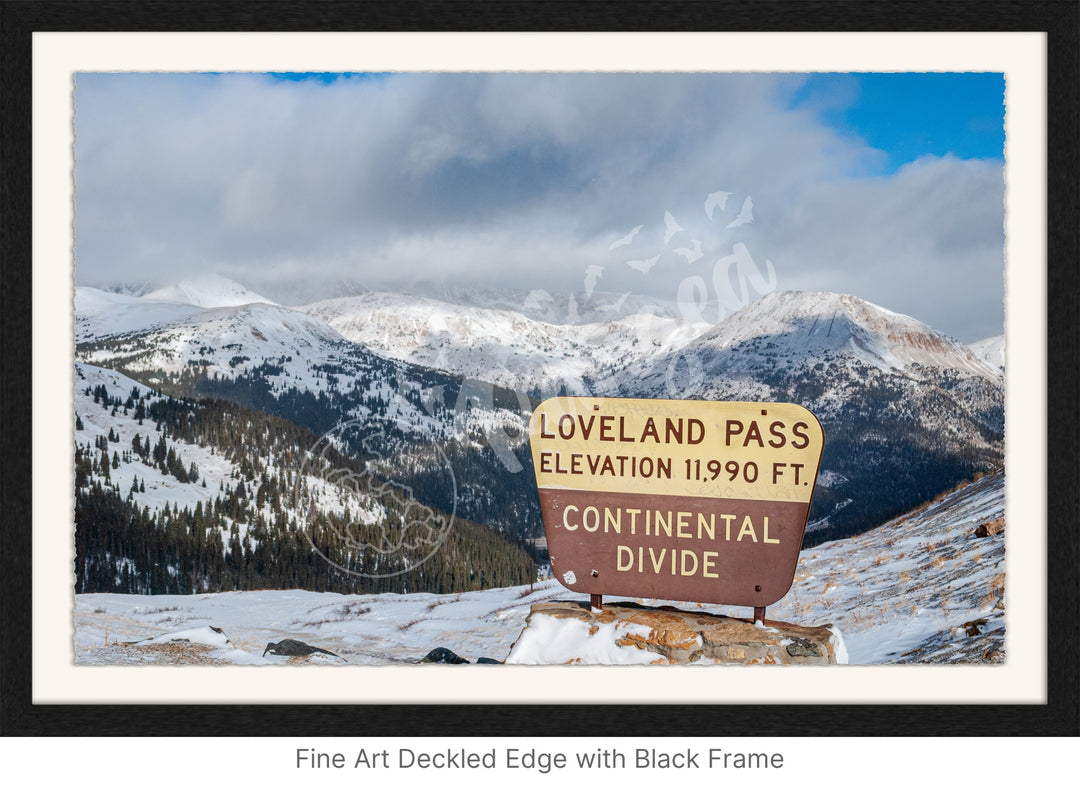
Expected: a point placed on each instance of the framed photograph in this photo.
(537, 367)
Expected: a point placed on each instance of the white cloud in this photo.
(522, 179)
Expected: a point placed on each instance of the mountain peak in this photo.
(787, 305)
(808, 324)
(208, 291)
(990, 350)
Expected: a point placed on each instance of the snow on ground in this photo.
(159, 490)
(209, 291)
(361, 629)
(899, 593)
(913, 583)
(907, 591)
(878, 337)
(233, 341)
(162, 490)
(991, 351)
(498, 345)
(558, 641)
(99, 314)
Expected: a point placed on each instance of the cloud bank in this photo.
(521, 180)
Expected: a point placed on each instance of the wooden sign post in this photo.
(684, 500)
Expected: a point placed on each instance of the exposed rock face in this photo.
(626, 633)
(987, 529)
(443, 656)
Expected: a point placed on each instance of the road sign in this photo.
(685, 500)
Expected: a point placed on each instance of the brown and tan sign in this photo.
(684, 500)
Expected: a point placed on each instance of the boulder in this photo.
(290, 647)
(994, 654)
(443, 656)
(990, 528)
(628, 633)
(974, 628)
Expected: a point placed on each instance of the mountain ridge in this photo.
(907, 411)
(207, 291)
(496, 344)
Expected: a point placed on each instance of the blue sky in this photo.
(889, 187)
(906, 115)
(909, 115)
(325, 77)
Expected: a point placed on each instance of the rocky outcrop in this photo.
(443, 656)
(290, 647)
(626, 633)
(987, 529)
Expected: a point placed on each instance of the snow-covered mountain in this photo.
(225, 341)
(904, 408)
(550, 307)
(797, 330)
(180, 496)
(907, 411)
(100, 313)
(498, 344)
(96, 421)
(207, 291)
(129, 288)
(269, 351)
(130, 308)
(991, 351)
(293, 293)
(825, 351)
(921, 588)
(293, 365)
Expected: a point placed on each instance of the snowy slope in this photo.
(499, 345)
(991, 351)
(207, 291)
(159, 490)
(903, 591)
(293, 350)
(174, 496)
(99, 314)
(907, 410)
(550, 307)
(909, 591)
(102, 313)
(220, 339)
(799, 329)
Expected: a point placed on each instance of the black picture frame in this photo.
(1059, 716)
